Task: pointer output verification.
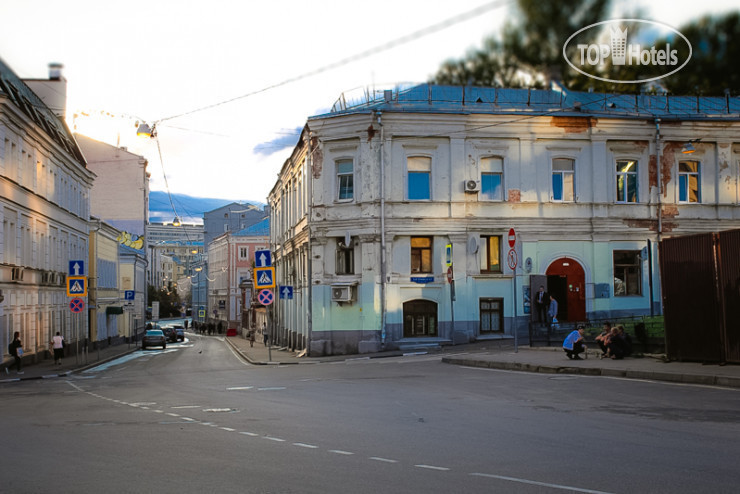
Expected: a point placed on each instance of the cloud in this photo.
(287, 139)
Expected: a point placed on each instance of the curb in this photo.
(723, 381)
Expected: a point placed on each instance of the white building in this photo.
(381, 202)
(44, 209)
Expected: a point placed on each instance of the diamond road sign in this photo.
(76, 286)
(264, 278)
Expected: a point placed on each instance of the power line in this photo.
(426, 31)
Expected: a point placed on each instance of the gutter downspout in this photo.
(383, 269)
(659, 179)
(309, 254)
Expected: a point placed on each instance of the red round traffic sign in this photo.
(512, 259)
(449, 274)
(512, 238)
(265, 296)
(76, 305)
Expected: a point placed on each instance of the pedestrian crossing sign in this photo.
(76, 286)
(264, 278)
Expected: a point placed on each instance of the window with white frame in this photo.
(626, 181)
(419, 178)
(689, 177)
(490, 254)
(243, 253)
(563, 179)
(345, 180)
(491, 178)
(345, 257)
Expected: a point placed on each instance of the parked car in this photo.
(179, 331)
(153, 337)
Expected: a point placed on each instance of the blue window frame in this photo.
(419, 178)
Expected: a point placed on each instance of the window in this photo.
(627, 277)
(345, 180)
(563, 179)
(626, 181)
(243, 252)
(419, 318)
(490, 254)
(421, 254)
(419, 178)
(491, 175)
(491, 315)
(345, 257)
(688, 181)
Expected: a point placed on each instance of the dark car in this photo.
(169, 333)
(153, 337)
(179, 331)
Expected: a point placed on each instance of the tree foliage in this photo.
(529, 54)
(169, 301)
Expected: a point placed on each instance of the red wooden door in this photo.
(574, 293)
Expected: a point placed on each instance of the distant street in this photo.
(195, 418)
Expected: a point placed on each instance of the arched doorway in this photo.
(419, 318)
(566, 281)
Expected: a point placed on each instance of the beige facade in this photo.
(104, 293)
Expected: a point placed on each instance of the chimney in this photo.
(55, 71)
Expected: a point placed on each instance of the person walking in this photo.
(16, 350)
(251, 337)
(265, 336)
(57, 344)
(552, 313)
(540, 303)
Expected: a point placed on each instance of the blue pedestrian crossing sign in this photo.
(262, 258)
(286, 292)
(76, 286)
(264, 278)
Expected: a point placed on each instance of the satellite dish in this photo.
(472, 245)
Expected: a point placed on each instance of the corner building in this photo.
(380, 199)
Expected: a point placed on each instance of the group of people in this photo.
(614, 342)
(15, 349)
(546, 308)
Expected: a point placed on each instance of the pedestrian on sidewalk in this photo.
(251, 337)
(57, 344)
(552, 313)
(573, 344)
(16, 350)
(265, 336)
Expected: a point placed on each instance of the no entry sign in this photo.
(512, 238)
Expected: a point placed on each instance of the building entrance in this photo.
(566, 282)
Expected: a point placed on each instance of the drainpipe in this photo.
(659, 180)
(383, 269)
(309, 253)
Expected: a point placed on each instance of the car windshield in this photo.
(154, 332)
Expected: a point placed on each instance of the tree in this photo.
(169, 301)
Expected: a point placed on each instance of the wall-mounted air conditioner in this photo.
(17, 274)
(471, 185)
(342, 292)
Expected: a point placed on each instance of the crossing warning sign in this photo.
(264, 278)
(76, 286)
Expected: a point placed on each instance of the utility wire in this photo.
(364, 54)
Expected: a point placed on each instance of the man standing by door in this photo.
(541, 301)
(552, 313)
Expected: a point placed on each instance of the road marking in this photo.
(229, 429)
(172, 414)
(304, 445)
(183, 406)
(218, 409)
(534, 482)
(276, 439)
(431, 467)
(384, 460)
(340, 452)
(239, 388)
(277, 388)
(250, 434)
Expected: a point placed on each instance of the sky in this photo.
(229, 83)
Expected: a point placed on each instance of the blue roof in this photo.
(430, 98)
(260, 229)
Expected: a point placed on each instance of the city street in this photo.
(196, 418)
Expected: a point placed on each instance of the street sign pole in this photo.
(513, 265)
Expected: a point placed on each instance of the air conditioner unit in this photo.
(342, 293)
(47, 277)
(471, 185)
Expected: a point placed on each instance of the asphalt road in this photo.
(195, 418)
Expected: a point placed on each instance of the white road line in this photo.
(304, 445)
(172, 414)
(431, 467)
(229, 429)
(384, 460)
(239, 388)
(250, 434)
(158, 411)
(189, 419)
(277, 388)
(276, 439)
(534, 482)
(340, 452)
(186, 406)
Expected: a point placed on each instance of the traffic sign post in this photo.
(264, 278)
(513, 261)
(265, 297)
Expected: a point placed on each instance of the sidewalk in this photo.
(45, 369)
(492, 354)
